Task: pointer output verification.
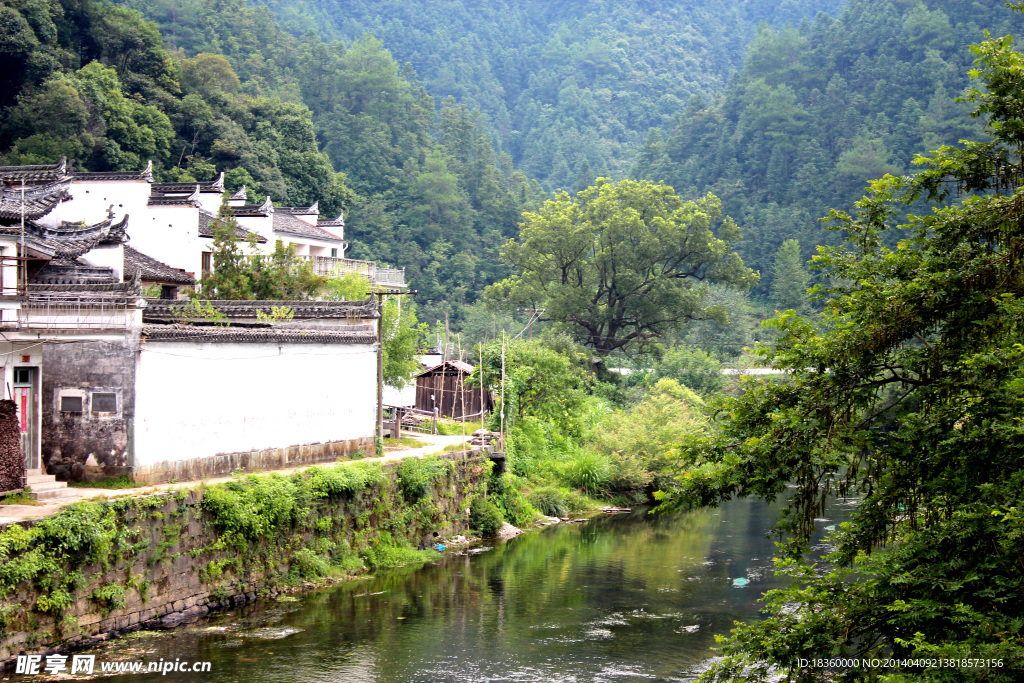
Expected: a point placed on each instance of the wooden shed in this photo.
(443, 387)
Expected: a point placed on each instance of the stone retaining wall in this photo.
(174, 562)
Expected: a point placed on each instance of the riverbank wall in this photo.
(98, 569)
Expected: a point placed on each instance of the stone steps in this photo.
(46, 487)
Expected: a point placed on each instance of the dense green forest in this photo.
(820, 108)
(298, 119)
(568, 88)
(434, 174)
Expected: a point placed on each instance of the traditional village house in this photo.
(104, 388)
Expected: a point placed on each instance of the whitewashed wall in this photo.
(91, 198)
(169, 233)
(198, 400)
(308, 246)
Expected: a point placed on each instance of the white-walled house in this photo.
(107, 382)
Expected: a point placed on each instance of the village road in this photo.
(20, 513)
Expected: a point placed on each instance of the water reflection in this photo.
(622, 598)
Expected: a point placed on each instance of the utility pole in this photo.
(503, 388)
(380, 359)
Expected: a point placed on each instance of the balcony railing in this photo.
(334, 266)
(391, 276)
(75, 311)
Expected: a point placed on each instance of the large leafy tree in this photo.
(910, 394)
(620, 264)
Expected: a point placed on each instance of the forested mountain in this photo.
(821, 108)
(298, 119)
(568, 87)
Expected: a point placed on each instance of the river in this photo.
(631, 597)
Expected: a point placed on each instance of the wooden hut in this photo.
(443, 387)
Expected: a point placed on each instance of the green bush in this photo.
(344, 479)
(416, 474)
(485, 517)
(306, 564)
(386, 553)
(550, 501)
(587, 470)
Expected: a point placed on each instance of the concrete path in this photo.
(20, 513)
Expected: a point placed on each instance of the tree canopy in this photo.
(908, 393)
(620, 264)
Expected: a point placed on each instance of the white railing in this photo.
(73, 311)
(334, 266)
(391, 276)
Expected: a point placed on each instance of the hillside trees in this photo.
(564, 87)
(906, 394)
(819, 107)
(618, 265)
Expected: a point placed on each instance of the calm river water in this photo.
(622, 598)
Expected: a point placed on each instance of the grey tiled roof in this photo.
(145, 174)
(252, 335)
(151, 270)
(177, 188)
(39, 199)
(290, 225)
(35, 173)
(264, 209)
(207, 220)
(159, 309)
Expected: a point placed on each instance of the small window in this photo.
(168, 292)
(102, 403)
(71, 404)
(207, 262)
(22, 375)
(334, 253)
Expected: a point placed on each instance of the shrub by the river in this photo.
(550, 501)
(587, 470)
(416, 474)
(485, 517)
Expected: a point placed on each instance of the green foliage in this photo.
(568, 89)
(348, 287)
(456, 428)
(693, 368)
(586, 470)
(196, 311)
(549, 500)
(386, 553)
(277, 314)
(400, 331)
(485, 517)
(415, 475)
(790, 279)
(307, 564)
(253, 507)
(111, 597)
(907, 393)
(816, 110)
(641, 440)
(342, 479)
(620, 263)
(540, 382)
(254, 275)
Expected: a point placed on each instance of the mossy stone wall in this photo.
(100, 568)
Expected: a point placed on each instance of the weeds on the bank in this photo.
(119, 482)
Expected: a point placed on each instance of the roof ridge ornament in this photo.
(241, 194)
(267, 206)
(147, 173)
(218, 184)
(315, 208)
